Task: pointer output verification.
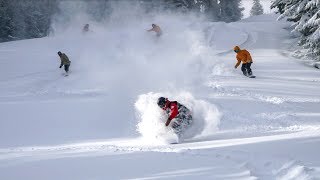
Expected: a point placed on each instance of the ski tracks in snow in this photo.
(229, 160)
(267, 103)
(215, 32)
(50, 83)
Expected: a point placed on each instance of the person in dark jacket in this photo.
(64, 61)
(178, 115)
(85, 28)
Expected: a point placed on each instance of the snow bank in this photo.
(151, 118)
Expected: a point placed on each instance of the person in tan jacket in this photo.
(246, 59)
(64, 61)
(156, 29)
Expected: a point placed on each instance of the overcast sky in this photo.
(247, 4)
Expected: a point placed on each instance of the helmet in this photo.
(162, 102)
(59, 53)
(236, 49)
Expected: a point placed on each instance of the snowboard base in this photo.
(174, 143)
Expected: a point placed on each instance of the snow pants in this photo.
(246, 69)
(66, 67)
(182, 121)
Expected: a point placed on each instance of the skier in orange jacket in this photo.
(246, 59)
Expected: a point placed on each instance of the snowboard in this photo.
(250, 76)
(174, 143)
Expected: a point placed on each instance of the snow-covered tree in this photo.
(182, 5)
(202, 6)
(306, 17)
(208, 8)
(311, 29)
(25, 19)
(280, 4)
(32, 18)
(213, 10)
(230, 10)
(98, 9)
(256, 9)
(6, 23)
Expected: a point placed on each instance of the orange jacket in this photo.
(244, 56)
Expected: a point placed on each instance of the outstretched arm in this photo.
(238, 63)
(151, 29)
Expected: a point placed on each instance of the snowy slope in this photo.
(99, 122)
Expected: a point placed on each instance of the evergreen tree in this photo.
(256, 9)
(25, 19)
(306, 17)
(201, 6)
(209, 8)
(280, 4)
(213, 10)
(311, 29)
(6, 23)
(181, 5)
(98, 9)
(230, 10)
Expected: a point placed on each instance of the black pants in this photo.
(182, 121)
(66, 67)
(246, 69)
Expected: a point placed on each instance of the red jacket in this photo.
(173, 109)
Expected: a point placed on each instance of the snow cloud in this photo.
(151, 118)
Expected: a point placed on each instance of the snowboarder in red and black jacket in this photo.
(178, 113)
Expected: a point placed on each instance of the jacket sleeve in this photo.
(152, 29)
(238, 63)
(61, 64)
(239, 60)
(174, 111)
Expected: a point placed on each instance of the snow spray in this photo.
(151, 118)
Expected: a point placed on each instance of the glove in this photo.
(60, 66)
(235, 67)
(168, 122)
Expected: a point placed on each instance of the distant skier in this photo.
(85, 28)
(156, 29)
(244, 57)
(178, 113)
(64, 61)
